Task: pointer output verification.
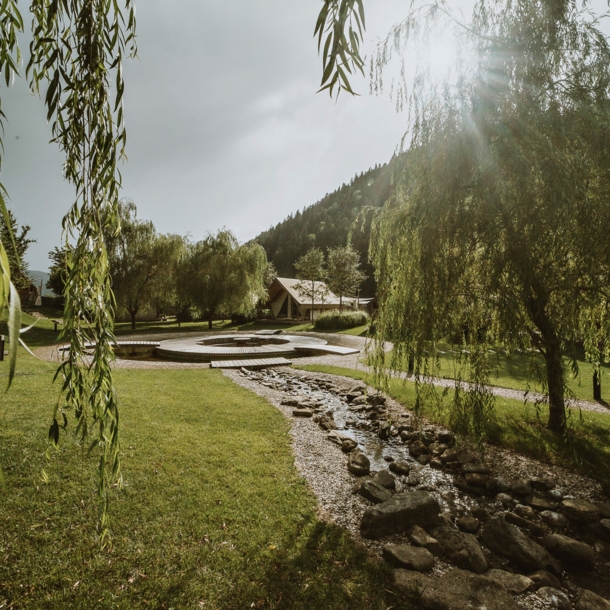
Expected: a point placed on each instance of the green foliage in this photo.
(334, 320)
(339, 217)
(497, 233)
(311, 271)
(77, 50)
(58, 270)
(142, 262)
(219, 276)
(344, 275)
(18, 244)
(343, 24)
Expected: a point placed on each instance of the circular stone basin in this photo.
(236, 347)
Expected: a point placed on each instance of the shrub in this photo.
(333, 320)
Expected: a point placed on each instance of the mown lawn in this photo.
(517, 426)
(522, 371)
(212, 515)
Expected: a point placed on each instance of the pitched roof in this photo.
(290, 285)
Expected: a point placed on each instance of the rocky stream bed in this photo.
(463, 529)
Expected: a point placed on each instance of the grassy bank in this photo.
(213, 514)
(517, 426)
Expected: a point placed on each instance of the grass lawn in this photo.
(213, 514)
(517, 371)
(517, 426)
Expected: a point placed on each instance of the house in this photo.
(287, 302)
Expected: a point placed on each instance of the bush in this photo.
(334, 320)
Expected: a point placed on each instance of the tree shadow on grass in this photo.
(320, 568)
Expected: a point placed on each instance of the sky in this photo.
(224, 125)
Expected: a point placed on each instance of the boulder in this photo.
(542, 578)
(580, 511)
(497, 485)
(399, 513)
(509, 541)
(476, 469)
(460, 548)
(423, 459)
(513, 583)
(400, 468)
(541, 503)
(476, 479)
(302, 412)
(417, 448)
(445, 437)
(555, 598)
(348, 445)
(542, 483)
(521, 487)
(506, 499)
(600, 530)
(591, 601)
(456, 590)
(420, 537)
(482, 514)
(575, 554)
(358, 464)
(449, 456)
(408, 557)
(555, 520)
(374, 492)
(604, 509)
(527, 512)
(385, 479)
(530, 526)
(468, 524)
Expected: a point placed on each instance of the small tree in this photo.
(344, 274)
(58, 270)
(311, 271)
(222, 277)
(16, 243)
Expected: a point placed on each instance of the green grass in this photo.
(517, 426)
(213, 514)
(520, 371)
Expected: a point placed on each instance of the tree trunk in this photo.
(597, 386)
(210, 316)
(411, 366)
(554, 376)
(341, 303)
(132, 313)
(313, 295)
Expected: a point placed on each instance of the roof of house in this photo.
(290, 285)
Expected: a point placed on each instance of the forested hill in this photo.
(326, 224)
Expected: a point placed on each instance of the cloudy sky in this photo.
(225, 128)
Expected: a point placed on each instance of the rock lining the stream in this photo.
(469, 490)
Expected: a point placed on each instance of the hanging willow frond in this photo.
(77, 49)
(343, 24)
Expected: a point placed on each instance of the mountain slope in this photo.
(327, 223)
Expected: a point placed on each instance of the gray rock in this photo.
(399, 513)
(325, 422)
(577, 555)
(374, 492)
(445, 437)
(600, 530)
(359, 400)
(542, 578)
(476, 469)
(555, 598)
(542, 483)
(530, 526)
(521, 487)
(423, 459)
(383, 432)
(420, 537)
(417, 448)
(555, 494)
(348, 445)
(507, 540)
(541, 503)
(358, 464)
(482, 514)
(513, 583)
(477, 479)
(385, 479)
(449, 456)
(527, 512)
(555, 520)
(400, 468)
(468, 524)
(388, 458)
(497, 485)
(302, 412)
(580, 511)
(591, 601)
(460, 548)
(408, 557)
(456, 590)
(604, 509)
(506, 499)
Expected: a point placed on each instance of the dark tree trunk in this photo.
(132, 313)
(210, 316)
(411, 367)
(554, 376)
(341, 303)
(597, 386)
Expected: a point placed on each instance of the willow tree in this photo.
(498, 232)
(222, 277)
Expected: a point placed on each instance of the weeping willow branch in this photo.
(77, 50)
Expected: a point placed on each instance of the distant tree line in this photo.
(328, 223)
